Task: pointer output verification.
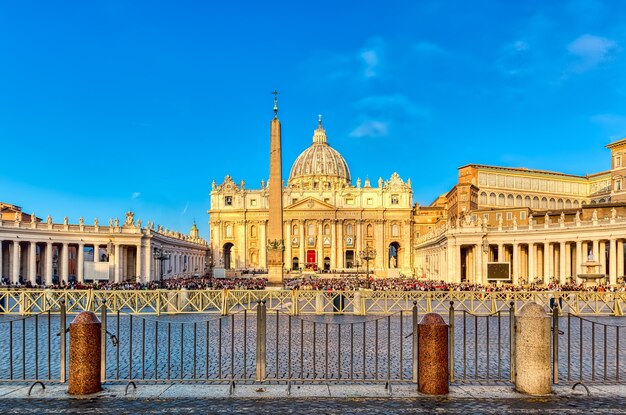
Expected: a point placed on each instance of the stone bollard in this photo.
(532, 351)
(433, 376)
(320, 302)
(357, 304)
(85, 342)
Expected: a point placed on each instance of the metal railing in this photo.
(296, 302)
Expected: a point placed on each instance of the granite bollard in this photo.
(532, 351)
(433, 376)
(85, 342)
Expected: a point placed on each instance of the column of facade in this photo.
(302, 259)
(80, 263)
(32, 263)
(320, 245)
(596, 250)
(334, 242)
(500, 253)
(380, 248)
(148, 274)
(263, 247)
(568, 260)
(478, 264)
(469, 264)
(96, 253)
(531, 262)
(340, 244)
(288, 257)
(117, 264)
(612, 261)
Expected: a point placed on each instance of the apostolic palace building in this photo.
(546, 225)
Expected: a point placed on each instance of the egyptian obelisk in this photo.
(275, 243)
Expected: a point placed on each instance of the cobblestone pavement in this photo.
(319, 406)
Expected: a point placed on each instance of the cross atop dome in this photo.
(319, 121)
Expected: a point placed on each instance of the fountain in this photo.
(592, 276)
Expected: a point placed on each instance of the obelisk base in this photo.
(275, 275)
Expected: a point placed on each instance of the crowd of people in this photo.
(348, 282)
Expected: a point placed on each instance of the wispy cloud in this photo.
(135, 195)
(591, 51)
(371, 129)
(185, 209)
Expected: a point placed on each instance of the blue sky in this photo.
(117, 105)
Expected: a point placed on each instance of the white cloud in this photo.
(370, 62)
(591, 51)
(371, 129)
(135, 195)
(185, 208)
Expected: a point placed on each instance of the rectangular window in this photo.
(370, 201)
(253, 202)
(618, 161)
(498, 216)
(509, 215)
(294, 200)
(486, 217)
(522, 215)
(228, 200)
(394, 199)
(349, 201)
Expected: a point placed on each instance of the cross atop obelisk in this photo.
(275, 242)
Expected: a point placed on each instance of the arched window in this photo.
(544, 203)
(295, 230)
(559, 204)
(349, 229)
(568, 204)
(483, 198)
(552, 203)
(326, 229)
(527, 201)
(583, 203)
(311, 229)
(229, 230)
(500, 199)
(370, 230)
(253, 231)
(576, 204)
(492, 199)
(509, 200)
(535, 202)
(518, 201)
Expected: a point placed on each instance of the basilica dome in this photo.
(320, 162)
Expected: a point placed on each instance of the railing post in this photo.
(225, 302)
(429, 302)
(512, 339)
(62, 340)
(451, 341)
(103, 341)
(261, 323)
(415, 344)
(555, 344)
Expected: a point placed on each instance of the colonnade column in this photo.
(562, 248)
(302, 259)
(602, 256)
(80, 263)
(612, 261)
(479, 264)
(531, 262)
(48, 263)
(118, 264)
(320, 245)
(138, 263)
(515, 271)
(340, 254)
(568, 260)
(500, 253)
(546, 262)
(65, 268)
(32, 263)
(15, 274)
(579, 258)
(620, 258)
(596, 250)
(263, 247)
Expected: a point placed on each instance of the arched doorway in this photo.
(227, 255)
(326, 264)
(295, 263)
(394, 257)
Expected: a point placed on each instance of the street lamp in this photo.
(160, 256)
(367, 254)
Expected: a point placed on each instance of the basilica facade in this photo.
(329, 223)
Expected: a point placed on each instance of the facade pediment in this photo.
(310, 203)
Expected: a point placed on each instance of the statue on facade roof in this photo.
(613, 213)
(81, 221)
(117, 222)
(65, 221)
(594, 215)
(562, 218)
(33, 218)
(530, 219)
(577, 218)
(96, 223)
(110, 222)
(139, 223)
(130, 219)
(49, 220)
(18, 217)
